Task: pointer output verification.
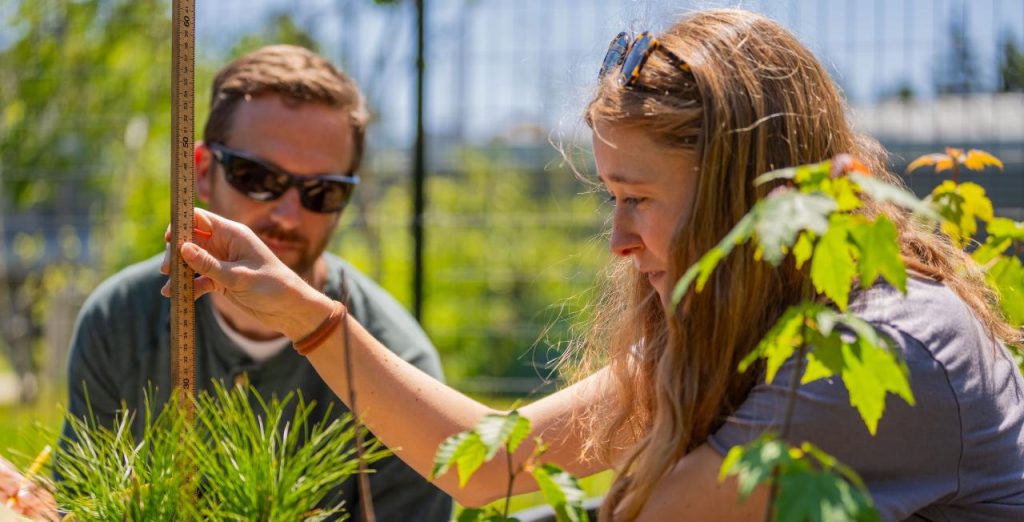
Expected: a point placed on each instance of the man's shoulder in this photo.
(382, 315)
(361, 289)
(132, 290)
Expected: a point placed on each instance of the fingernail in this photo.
(189, 251)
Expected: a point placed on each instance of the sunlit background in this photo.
(513, 240)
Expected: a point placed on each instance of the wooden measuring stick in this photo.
(183, 333)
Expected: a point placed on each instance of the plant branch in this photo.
(511, 479)
(788, 416)
(365, 495)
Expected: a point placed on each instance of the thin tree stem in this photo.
(788, 418)
(365, 495)
(511, 479)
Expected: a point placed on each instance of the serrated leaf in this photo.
(833, 266)
(811, 178)
(498, 431)
(871, 372)
(779, 344)
(471, 515)
(1007, 275)
(803, 248)
(469, 457)
(824, 360)
(781, 217)
(845, 194)
(445, 455)
(808, 494)
(786, 173)
(878, 245)
(961, 205)
(994, 247)
(753, 463)
(978, 159)
(562, 492)
(926, 160)
(702, 269)
(1006, 228)
(976, 203)
(883, 192)
(465, 450)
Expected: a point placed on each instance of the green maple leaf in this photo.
(465, 450)
(961, 205)
(870, 372)
(781, 341)
(883, 192)
(781, 217)
(1008, 276)
(994, 247)
(498, 431)
(825, 360)
(702, 269)
(808, 494)
(1005, 229)
(833, 266)
(803, 248)
(753, 463)
(879, 254)
(562, 492)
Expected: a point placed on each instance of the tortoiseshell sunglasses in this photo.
(631, 54)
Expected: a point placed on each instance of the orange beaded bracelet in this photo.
(311, 342)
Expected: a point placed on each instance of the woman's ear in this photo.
(204, 165)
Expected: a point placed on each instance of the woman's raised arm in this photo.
(408, 410)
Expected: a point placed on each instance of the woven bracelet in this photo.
(311, 342)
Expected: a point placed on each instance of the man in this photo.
(282, 144)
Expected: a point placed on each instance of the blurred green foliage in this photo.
(84, 144)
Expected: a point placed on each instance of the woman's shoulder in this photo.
(930, 313)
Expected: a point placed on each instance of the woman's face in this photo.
(652, 188)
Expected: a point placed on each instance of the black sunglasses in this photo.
(631, 55)
(264, 181)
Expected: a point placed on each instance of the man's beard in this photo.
(302, 258)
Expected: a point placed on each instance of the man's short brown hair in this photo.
(298, 76)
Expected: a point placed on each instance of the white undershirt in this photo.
(259, 351)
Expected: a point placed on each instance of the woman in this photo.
(681, 127)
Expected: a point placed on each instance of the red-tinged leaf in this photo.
(856, 166)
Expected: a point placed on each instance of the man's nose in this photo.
(288, 207)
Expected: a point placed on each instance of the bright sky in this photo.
(497, 64)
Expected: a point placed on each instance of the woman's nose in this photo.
(624, 240)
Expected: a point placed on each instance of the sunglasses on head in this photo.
(631, 55)
(263, 181)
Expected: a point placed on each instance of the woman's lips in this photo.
(654, 277)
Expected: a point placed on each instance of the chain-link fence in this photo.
(513, 241)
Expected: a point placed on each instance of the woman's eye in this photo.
(628, 201)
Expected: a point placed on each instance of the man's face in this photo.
(308, 139)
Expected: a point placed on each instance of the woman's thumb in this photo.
(202, 262)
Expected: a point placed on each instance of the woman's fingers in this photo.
(204, 285)
(203, 263)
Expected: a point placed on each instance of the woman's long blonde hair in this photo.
(754, 100)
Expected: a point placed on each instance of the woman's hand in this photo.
(231, 260)
(24, 496)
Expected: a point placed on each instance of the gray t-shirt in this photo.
(121, 347)
(957, 455)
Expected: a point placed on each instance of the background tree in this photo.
(1011, 66)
